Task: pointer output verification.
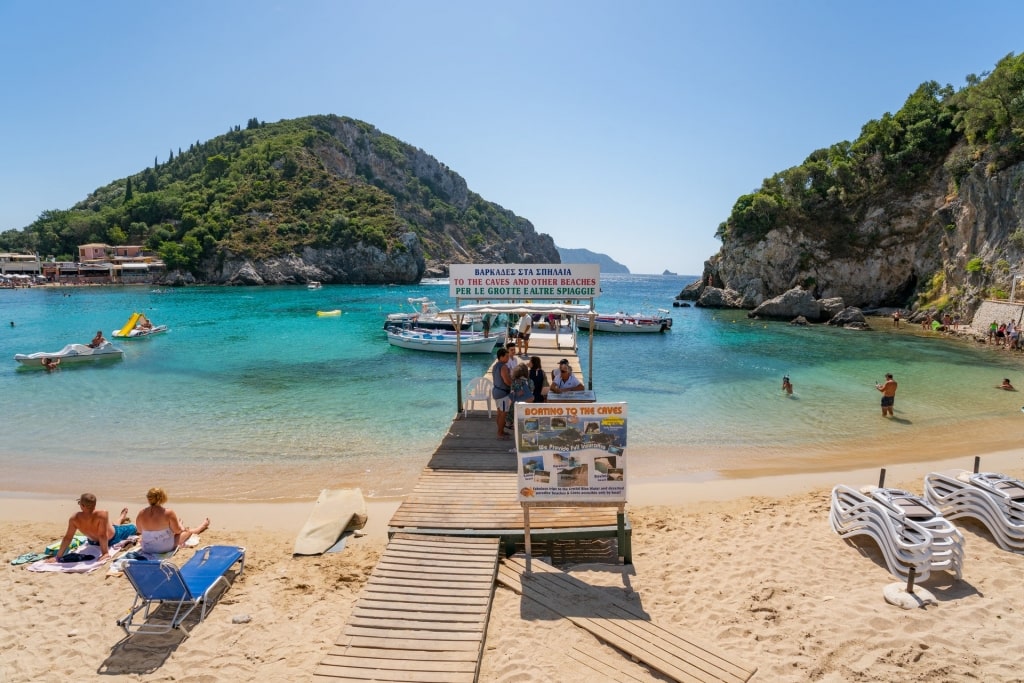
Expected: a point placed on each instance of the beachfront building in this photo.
(103, 264)
(19, 270)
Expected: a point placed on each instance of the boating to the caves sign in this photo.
(573, 452)
(524, 280)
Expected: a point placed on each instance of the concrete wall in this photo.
(1000, 311)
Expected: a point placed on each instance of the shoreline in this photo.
(683, 492)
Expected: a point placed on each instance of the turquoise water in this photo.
(252, 396)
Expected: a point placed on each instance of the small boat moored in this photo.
(72, 353)
(627, 322)
(442, 341)
(426, 315)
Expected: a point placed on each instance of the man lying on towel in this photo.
(95, 525)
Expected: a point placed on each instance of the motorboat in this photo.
(72, 353)
(138, 327)
(427, 316)
(329, 314)
(313, 285)
(443, 341)
(627, 322)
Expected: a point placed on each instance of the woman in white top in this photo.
(160, 528)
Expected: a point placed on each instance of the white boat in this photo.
(627, 322)
(443, 341)
(426, 315)
(435, 281)
(72, 353)
(314, 285)
(138, 327)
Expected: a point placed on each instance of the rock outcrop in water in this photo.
(924, 211)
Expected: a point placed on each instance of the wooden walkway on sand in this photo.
(422, 615)
(621, 624)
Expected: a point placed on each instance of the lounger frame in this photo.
(188, 588)
(910, 532)
(990, 498)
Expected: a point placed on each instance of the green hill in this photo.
(322, 197)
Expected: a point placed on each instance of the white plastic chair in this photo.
(479, 390)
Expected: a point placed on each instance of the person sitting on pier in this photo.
(563, 381)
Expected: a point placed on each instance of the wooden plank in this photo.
(622, 626)
(415, 630)
(423, 661)
(620, 611)
(412, 644)
(419, 620)
(407, 675)
(612, 670)
(430, 657)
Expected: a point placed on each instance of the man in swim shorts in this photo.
(888, 390)
(95, 525)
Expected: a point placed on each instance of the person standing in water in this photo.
(888, 389)
(787, 386)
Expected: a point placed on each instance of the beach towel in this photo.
(334, 513)
(77, 541)
(50, 550)
(83, 567)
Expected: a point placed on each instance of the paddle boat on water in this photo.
(427, 316)
(72, 353)
(627, 322)
(443, 341)
(138, 327)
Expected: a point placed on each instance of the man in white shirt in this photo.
(563, 381)
(525, 325)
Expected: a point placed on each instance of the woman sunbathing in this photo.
(160, 528)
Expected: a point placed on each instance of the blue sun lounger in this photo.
(158, 583)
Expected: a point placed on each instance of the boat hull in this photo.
(139, 334)
(438, 342)
(72, 353)
(626, 324)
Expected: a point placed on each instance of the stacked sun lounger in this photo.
(909, 531)
(995, 500)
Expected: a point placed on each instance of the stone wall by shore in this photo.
(1000, 311)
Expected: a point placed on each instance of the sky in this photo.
(626, 128)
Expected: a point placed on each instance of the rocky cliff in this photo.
(934, 247)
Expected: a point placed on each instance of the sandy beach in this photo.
(748, 565)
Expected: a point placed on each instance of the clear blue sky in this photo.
(628, 128)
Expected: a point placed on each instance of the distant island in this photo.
(607, 263)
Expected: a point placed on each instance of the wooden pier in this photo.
(423, 613)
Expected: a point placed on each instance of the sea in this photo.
(252, 397)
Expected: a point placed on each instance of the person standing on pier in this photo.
(501, 377)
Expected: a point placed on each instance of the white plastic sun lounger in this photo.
(995, 500)
(908, 531)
